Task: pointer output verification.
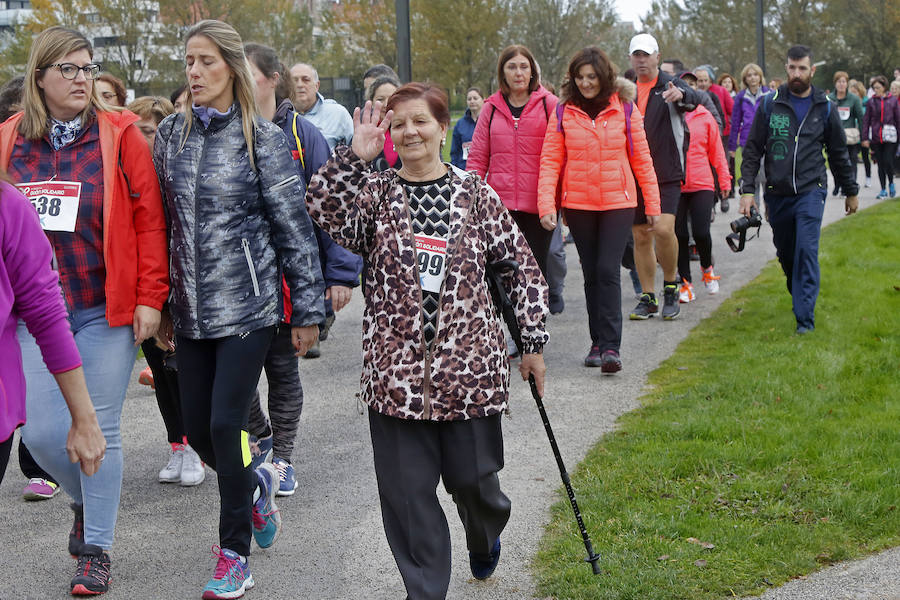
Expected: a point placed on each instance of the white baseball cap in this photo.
(643, 42)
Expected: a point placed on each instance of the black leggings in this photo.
(218, 378)
(883, 154)
(5, 447)
(285, 396)
(165, 380)
(600, 237)
(867, 165)
(537, 237)
(699, 206)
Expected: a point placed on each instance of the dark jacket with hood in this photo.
(793, 147)
(667, 132)
(339, 266)
(462, 135)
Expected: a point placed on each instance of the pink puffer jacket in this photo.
(507, 153)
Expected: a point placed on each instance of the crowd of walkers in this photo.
(221, 229)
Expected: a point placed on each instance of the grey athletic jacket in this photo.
(233, 230)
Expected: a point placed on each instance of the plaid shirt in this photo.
(79, 254)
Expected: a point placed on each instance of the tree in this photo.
(458, 52)
(355, 35)
(555, 29)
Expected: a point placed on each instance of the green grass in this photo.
(782, 451)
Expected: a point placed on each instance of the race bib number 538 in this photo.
(56, 203)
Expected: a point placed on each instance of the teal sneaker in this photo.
(232, 577)
(266, 516)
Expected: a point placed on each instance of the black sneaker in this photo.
(314, 350)
(482, 569)
(646, 308)
(593, 358)
(76, 535)
(92, 573)
(724, 205)
(671, 309)
(610, 362)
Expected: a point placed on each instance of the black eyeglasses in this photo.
(70, 70)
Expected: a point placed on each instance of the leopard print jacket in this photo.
(465, 373)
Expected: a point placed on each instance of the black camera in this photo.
(739, 227)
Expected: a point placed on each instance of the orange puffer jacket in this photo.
(593, 155)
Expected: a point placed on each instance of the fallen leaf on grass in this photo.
(663, 557)
(705, 545)
(700, 563)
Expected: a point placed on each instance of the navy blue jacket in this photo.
(462, 134)
(339, 266)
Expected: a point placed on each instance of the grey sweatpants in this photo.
(411, 457)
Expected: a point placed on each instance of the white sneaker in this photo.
(192, 470)
(686, 293)
(711, 280)
(868, 182)
(171, 473)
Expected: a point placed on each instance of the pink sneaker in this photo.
(39, 489)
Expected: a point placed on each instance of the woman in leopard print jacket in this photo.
(435, 370)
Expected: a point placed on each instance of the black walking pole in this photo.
(502, 301)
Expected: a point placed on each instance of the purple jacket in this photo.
(880, 111)
(29, 290)
(742, 118)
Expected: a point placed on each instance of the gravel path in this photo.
(333, 546)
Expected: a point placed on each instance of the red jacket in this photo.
(507, 153)
(134, 224)
(727, 103)
(705, 149)
(598, 169)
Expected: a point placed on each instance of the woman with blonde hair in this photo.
(744, 111)
(109, 239)
(237, 222)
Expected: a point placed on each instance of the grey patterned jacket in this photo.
(233, 231)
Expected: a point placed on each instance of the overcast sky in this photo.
(633, 10)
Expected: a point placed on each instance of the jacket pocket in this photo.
(246, 246)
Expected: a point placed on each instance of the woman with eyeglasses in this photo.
(108, 234)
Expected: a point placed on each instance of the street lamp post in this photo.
(404, 56)
(760, 37)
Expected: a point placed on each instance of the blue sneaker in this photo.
(266, 516)
(892, 190)
(287, 481)
(482, 569)
(232, 577)
(260, 451)
(881, 195)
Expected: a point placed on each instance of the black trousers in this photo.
(411, 457)
(537, 237)
(168, 398)
(5, 447)
(867, 165)
(883, 154)
(696, 206)
(601, 237)
(218, 378)
(285, 396)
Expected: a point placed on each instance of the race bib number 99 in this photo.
(56, 203)
(431, 254)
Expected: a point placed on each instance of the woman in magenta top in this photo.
(29, 290)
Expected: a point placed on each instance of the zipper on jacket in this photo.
(426, 384)
(246, 246)
(516, 161)
(196, 221)
(797, 145)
